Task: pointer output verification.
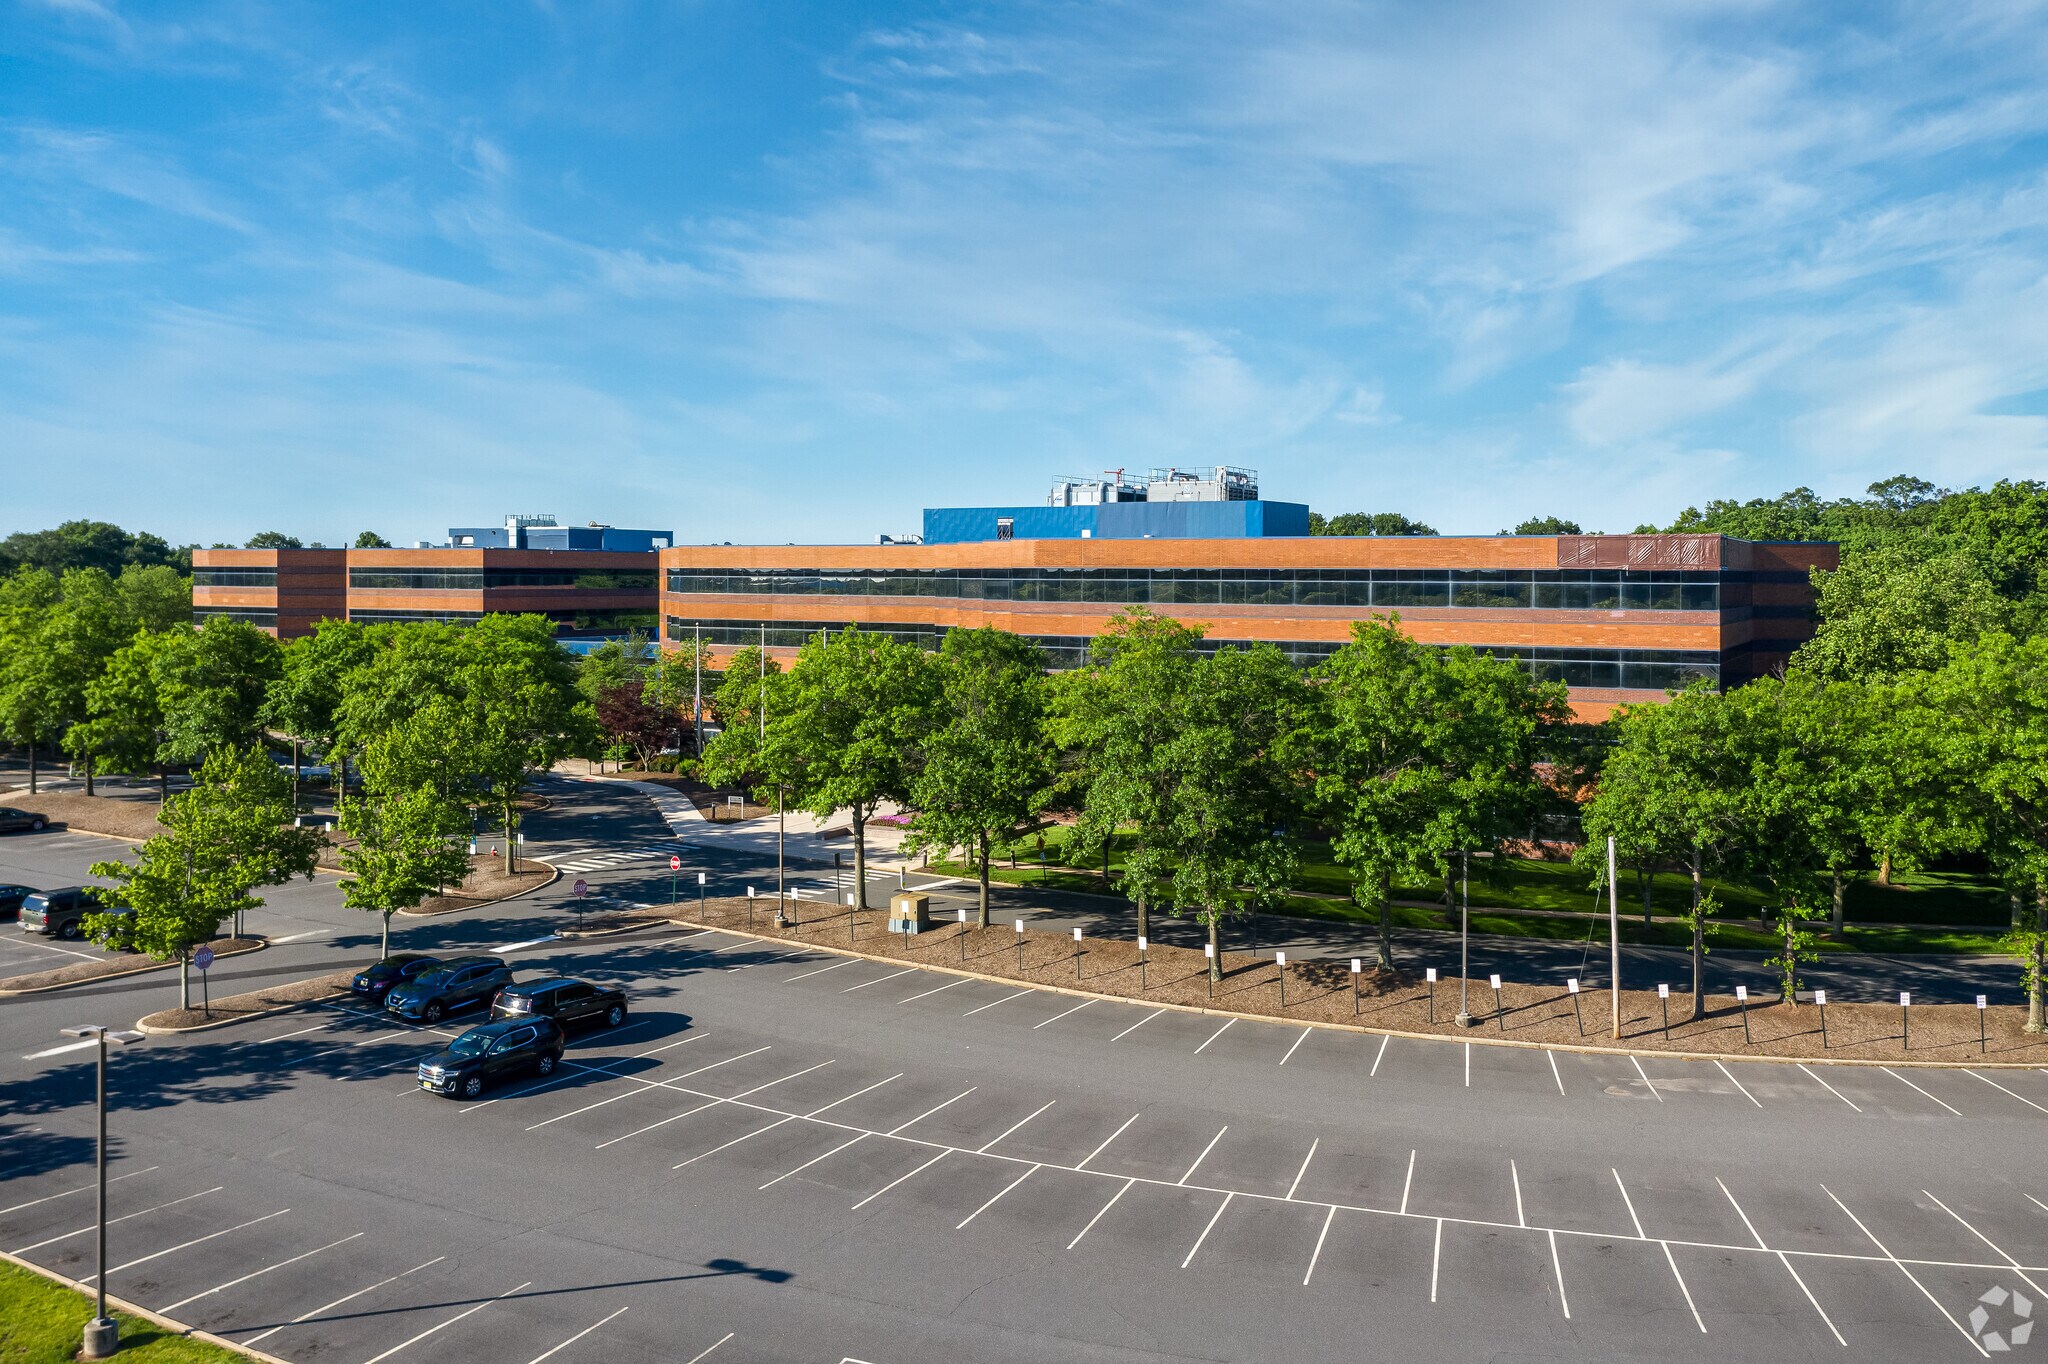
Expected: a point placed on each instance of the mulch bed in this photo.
(122, 816)
(234, 1008)
(487, 883)
(1320, 991)
(120, 964)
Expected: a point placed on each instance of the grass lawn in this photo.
(41, 1322)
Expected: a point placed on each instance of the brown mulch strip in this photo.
(234, 1008)
(119, 964)
(487, 882)
(1320, 991)
(123, 817)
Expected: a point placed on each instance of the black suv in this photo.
(61, 913)
(452, 985)
(487, 1053)
(568, 1002)
(375, 982)
(11, 898)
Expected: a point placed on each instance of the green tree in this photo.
(408, 845)
(1366, 523)
(369, 539)
(32, 706)
(157, 595)
(682, 684)
(303, 702)
(519, 708)
(88, 544)
(1900, 608)
(124, 728)
(223, 839)
(986, 764)
(90, 624)
(213, 688)
(273, 539)
(1420, 754)
(1546, 525)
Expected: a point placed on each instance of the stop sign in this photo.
(581, 885)
(675, 863)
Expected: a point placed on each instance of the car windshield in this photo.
(470, 1044)
(432, 978)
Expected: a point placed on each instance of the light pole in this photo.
(102, 1333)
(1465, 1019)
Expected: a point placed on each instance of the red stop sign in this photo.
(675, 863)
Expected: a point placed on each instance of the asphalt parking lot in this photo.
(796, 1156)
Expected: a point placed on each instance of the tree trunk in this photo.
(1144, 917)
(1789, 986)
(1647, 883)
(2012, 898)
(31, 766)
(184, 980)
(1884, 870)
(860, 858)
(296, 774)
(982, 862)
(163, 784)
(511, 843)
(1216, 945)
(88, 774)
(2035, 1021)
(1386, 961)
(1835, 919)
(1699, 943)
(385, 948)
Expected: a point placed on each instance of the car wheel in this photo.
(434, 1013)
(546, 1065)
(615, 1016)
(36, 825)
(70, 931)
(473, 1086)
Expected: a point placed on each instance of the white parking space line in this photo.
(1099, 1211)
(1515, 1176)
(1738, 1084)
(1784, 1260)
(1106, 1141)
(1304, 1168)
(2017, 1268)
(933, 1109)
(674, 1117)
(379, 1359)
(1214, 1218)
(1017, 1124)
(1137, 1025)
(900, 1178)
(549, 1354)
(517, 946)
(59, 1051)
(1380, 1055)
(298, 937)
(878, 980)
(1205, 1154)
(219, 1288)
(1557, 1268)
(328, 1307)
(1213, 1036)
(992, 1003)
(65, 1236)
(1910, 1085)
(631, 1092)
(951, 984)
(822, 970)
(734, 1142)
(1968, 1334)
(1628, 1203)
(1828, 1087)
(812, 1161)
(1320, 1238)
(1408, 1184)
(2003, 1090)
(1672, 1260)
(1436, 1255)
(703, 1354)
(197, 1240)
(1468, 1065)
(83, 1188)
(1063, 1013)
(1646, 1084)
(992, 1202)
(855, 1095)
(1555, 1074)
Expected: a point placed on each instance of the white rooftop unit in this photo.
(1214, 483)
(1090, 492)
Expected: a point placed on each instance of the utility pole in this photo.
(697, 691)
(102, 1333)
(1465, 1019)
(1614, 937)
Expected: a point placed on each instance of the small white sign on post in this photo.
(1494, 981)
(1141, 942)
(700, 878)
(963, 916)
(1077, 935)
(1428, 972)
(1209, 950)
(750, 892)
(1905, 999)
(849, 899)
(1742, 992)
(1358, 965)
(1820, 997)
(1020, 928)
(1663, 992)
(1572, 984)
(1981, 1002)
(1280, 959)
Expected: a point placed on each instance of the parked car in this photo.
(14, 821)
(375, 982)
(61, 913)
(456, 984)
(11, 898)
(488, 1053)
(568, 1002)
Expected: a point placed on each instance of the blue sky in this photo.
(774, 272)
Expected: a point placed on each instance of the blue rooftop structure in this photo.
(541, 532)
(1219, 503)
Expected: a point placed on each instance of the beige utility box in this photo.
(910, 911)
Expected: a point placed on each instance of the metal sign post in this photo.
(700, 894)
(1499, 1014)
(1209, 963)
(581, 888)
(1465, 1019)
(1820, 997)
(1429, 973)
(1742, 998)
(750, 907)
(1572, 985)
(1357, 963)
(1614, 934)
(675, 864)
(1905, 1020)
(1280, 965)
(1141, 961)
(1981, 1001)
(1077, 954)
(202, 959)
(1664, 998)
(963, 935)
(1020, 946)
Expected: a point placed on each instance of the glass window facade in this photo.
(1366, 588)
(234, 577)
(1647, 669)
(265, 619)
(477, 579)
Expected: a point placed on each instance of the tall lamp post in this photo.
(1465, 1019)
(102, 1333)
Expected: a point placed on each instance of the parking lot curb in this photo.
(1582, 1049)
(170, 1324)
(261, 943)
(481, 904)
(143, 1025)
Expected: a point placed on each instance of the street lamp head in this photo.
(125, 1036)
(85, 1030)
